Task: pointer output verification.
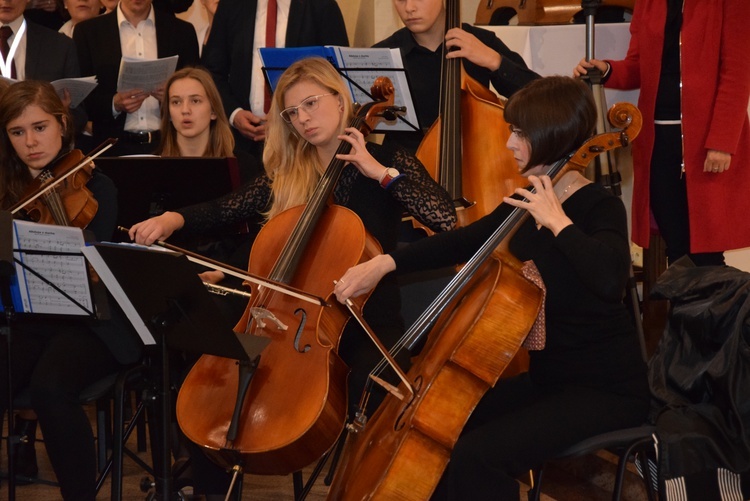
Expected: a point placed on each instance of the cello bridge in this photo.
(259, 314)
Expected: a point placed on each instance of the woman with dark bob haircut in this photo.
(589, 378)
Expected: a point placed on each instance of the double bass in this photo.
(286, 409)
(475, 327)
(464, 150)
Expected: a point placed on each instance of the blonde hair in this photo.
(220, 141)
(292, 163)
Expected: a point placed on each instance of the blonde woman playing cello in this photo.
(307, 122)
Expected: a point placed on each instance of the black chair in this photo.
(112, 430)
(627, 443)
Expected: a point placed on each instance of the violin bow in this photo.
(236, 272)
(85, 161)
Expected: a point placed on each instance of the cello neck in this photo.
(291, 254)
(500, 237)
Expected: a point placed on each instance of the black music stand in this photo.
(33, 305)
(7, 270)
(149, 186)
(168, 306)
(606, 172)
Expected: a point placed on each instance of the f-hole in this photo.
(300, 329)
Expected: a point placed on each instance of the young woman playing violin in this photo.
(57, 359)
(308, 120)
(590, 377)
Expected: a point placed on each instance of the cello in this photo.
(475, 327)
(287, 407)
(464, 150)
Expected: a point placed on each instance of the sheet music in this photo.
(148, 75)
(361, 66)
(381, 62)
(68, 272)
(78, 88)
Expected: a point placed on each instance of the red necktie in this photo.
(6, 32)
(270, 42)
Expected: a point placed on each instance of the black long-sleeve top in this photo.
(590, 334)
(423, 68)
(381, 210)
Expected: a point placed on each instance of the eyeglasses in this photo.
(308, 105)
(518, 132)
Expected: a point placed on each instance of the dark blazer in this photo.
(98, 42)
(229, 52)
(49, 55)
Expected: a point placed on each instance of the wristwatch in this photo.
(389, 175)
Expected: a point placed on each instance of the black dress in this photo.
(590, 377)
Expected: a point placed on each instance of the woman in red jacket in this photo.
(690, 60)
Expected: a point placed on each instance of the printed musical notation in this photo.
(51, 257)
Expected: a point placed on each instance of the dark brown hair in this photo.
(14, 174)
(555, 114)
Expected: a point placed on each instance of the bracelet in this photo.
(391, 181)
(382, 176)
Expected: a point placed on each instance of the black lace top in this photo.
(381, 211)
(415, 193)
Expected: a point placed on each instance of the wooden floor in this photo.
(586, 478)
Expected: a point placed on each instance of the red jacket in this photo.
(715, 63)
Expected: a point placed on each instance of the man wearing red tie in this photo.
(239, 29)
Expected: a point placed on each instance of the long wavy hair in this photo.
(555, 114)
(292, 163)
(14, 174)
(220, 142)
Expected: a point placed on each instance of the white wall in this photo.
(369, 21)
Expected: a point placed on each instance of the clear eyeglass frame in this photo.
(309, 105)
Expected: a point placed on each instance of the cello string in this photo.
(425, 321)
(596, 145)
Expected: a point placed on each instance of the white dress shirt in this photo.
(20, 56)
(258, 82)
(139, 42)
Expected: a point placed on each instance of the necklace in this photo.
(565, 191)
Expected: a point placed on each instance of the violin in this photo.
(286, 408)
(58, 195)
(475, 326)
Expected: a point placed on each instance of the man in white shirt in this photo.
(37, 53)
(134, 29)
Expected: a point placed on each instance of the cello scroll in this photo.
(627, 120)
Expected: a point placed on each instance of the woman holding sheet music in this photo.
(308, 120)
(56, 359)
